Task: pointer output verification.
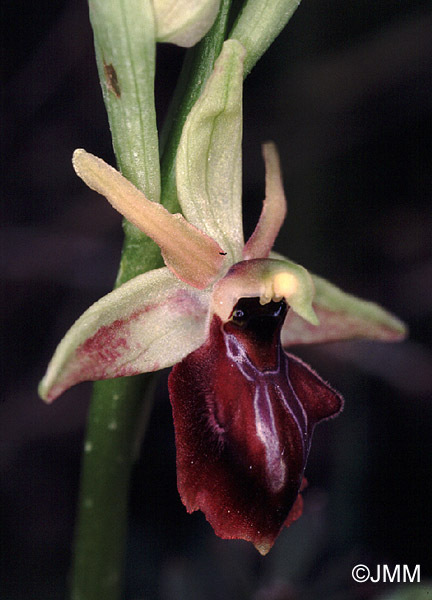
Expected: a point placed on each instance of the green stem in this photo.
(109, 450)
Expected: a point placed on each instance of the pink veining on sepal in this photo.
(129, 332)
(101, 356)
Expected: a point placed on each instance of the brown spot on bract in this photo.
(111, 80)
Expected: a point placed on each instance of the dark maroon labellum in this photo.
(244, 412)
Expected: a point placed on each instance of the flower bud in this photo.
(184, 22)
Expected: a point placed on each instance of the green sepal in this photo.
(208, 166)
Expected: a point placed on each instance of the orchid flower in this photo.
(221, 312)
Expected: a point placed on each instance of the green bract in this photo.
(125, 35)
(259, 23)
(208, 165)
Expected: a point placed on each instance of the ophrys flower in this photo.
(244, 410)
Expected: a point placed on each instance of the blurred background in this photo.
(346, 93)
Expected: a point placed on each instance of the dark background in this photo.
(345, 92)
